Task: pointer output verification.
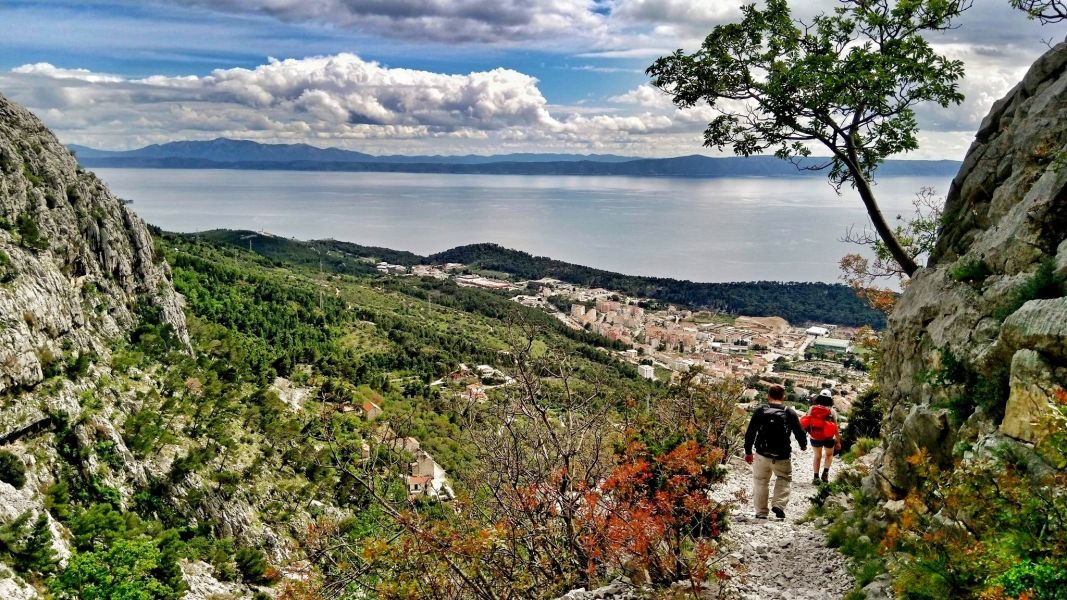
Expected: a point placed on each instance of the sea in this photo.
(727, 229)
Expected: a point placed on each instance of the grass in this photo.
(1043, 284)
(861, 448)
(972, 270)
(848, 530)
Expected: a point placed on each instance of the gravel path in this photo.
(780, 560)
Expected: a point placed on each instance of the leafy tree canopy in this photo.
(848, 80)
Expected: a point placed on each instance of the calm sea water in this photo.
(705, 230)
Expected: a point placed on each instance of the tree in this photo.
(127, 570)
(12, 470)
(1046, 11)
(849, 81)
(917, 235)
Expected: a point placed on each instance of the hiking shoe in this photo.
(764, 517)
(778, 512)
(825, 476)
(815, 480)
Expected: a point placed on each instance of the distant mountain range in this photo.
(225, 153)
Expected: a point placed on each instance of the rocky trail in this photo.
(788, 559)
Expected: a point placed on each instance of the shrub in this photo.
(988, 528)
(8, 272)
(1043, 284)
(30, 233)
(253, 566)
(1035, 580)
(28, 549)
(78, 366)
(864, 419)
(12, 470)
(860, 448)
(126, 569)
(973, 270)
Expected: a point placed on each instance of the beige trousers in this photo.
(762, 468)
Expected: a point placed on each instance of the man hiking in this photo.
(769, 430)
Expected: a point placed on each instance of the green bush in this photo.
(28, 549)
(8, 272)
(860, 448)
(30, 233)
(864, 419)
(12, 470)
(1035, 580)
(1043, 284)
(253, 566)
(973, 270)
(128, 569)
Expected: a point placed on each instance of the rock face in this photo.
(977, 345)
(75, 263)
(78, 271)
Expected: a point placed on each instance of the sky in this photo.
(418, 76)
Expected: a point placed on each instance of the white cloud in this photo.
(49, 70)
(340, 97)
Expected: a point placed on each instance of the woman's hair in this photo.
(824, 401)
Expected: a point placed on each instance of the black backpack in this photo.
(773, 436)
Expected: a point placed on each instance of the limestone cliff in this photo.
(75, 262)
(976, 349)
(78, 272)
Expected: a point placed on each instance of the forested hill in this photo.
(796, 302)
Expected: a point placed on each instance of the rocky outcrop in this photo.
(977, 345)
(76, 265)
(78, 271)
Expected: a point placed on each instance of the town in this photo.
(663, 341)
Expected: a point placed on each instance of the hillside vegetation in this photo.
(796, 302)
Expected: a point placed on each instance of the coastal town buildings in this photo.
(759, 350)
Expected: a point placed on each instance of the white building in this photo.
(428, 478)
(646, 371)
(818, 331)
(833, 344)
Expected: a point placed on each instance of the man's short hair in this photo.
(777, 392)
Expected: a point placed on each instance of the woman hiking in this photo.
(821, 425)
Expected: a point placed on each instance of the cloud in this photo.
(449, 21)
(338, 97)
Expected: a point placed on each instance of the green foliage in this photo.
(34, 179)
(8, 272)
(855, 536)
(30, 235)
(78, 365)
(989, 528)
(12, 470)
(126, 570)
(1043, 284)
(153, 334)
(865, 65)
(860, 448)
(973, 270)
(964, 388)
(1035, 580)
(28, 549)
(253, 566)
(334, 256)
(864, 419)
(1046, 11)
(57, 500)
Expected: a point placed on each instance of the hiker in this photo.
(769, 431)
(821, 425)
